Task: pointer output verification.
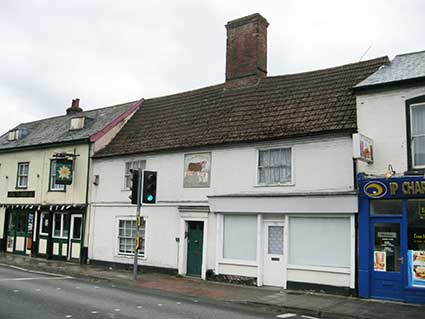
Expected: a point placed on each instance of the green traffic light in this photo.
(150, 198)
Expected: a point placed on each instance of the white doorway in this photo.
(274, 263)
(75, 236)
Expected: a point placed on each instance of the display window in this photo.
(416, 242)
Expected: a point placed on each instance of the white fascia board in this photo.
(338, 204)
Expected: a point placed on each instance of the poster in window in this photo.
(379, 261)
(416, 237)
(64, 171)
(30, 222)
(197, 170)
(416, 268)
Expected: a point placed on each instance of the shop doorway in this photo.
(44, 232)
(195, 238)
(387, 258)
(274, 265)
(75, 238)
(60, 235)
(19, 232)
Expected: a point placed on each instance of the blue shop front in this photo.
(391, 259)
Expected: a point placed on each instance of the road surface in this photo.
(28, 294)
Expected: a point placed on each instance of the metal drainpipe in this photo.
(86, 219)
(178, 252)
(356, 232)
(355, 173)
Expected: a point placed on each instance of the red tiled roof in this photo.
(277, 107)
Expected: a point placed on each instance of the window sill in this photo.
(130, 256)
(57, 191)
(238, 262)
(63, 238)
(415, 171)
(275, 185)
(21, 187)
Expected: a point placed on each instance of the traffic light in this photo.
(149, 187)
(134, 185)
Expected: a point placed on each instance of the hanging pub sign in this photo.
(362, 148)
(64, 171)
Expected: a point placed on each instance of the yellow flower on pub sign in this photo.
(64, 171)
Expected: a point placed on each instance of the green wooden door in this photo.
(60, 236)
(17, 232)
(194, 248)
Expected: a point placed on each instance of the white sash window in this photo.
(275, 166)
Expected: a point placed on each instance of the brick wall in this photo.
(246, 56)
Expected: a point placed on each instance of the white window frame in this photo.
(19, 175)
(61, 236)
(234, 261)
(118, 237)
(77, 123)
(42, 215)
(412, 147)
(127, 175)
(52, 179)
(257, 169)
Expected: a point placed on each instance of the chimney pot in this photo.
(75, 107)
(246, 53)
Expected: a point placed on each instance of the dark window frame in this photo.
(409, 103)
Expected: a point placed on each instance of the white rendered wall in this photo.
(162, 229)
(319, 165)
(382, 117)
(319, 277)
(159, 249)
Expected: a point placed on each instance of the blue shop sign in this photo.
(399, 187)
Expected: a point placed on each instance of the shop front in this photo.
(53, 232)
(60, 235)
(392, 238)
(294, 241)
(19, 231)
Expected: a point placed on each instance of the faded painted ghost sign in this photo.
(197, 170)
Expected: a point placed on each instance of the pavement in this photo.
(31, 294)
(283, 303)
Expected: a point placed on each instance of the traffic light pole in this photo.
(137, 243)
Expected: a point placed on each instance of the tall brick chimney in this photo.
(246, 54)
(74, 108)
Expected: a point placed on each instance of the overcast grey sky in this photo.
(107, 52)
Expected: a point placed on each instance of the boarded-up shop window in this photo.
(320, 241)
(240, 237)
